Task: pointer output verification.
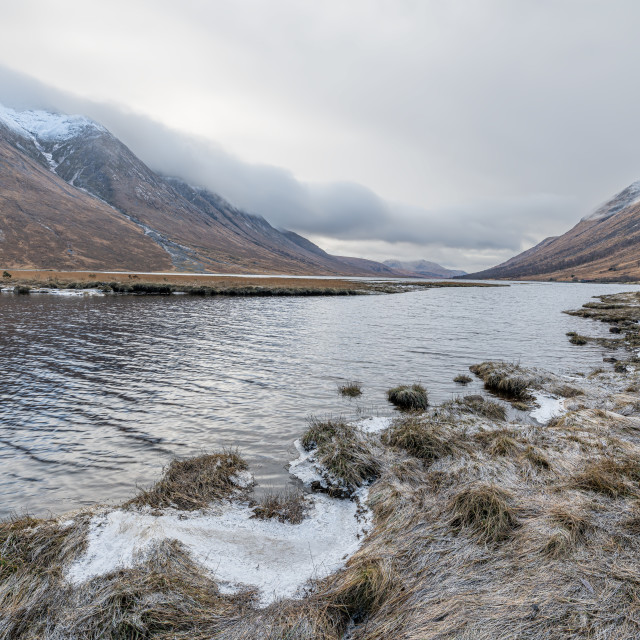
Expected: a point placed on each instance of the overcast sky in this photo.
(457, 131)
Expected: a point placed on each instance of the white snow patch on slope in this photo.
(549, 408)
(622, 200)
(44, 125)
(277, 558)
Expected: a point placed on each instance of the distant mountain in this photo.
(73, 196)
(604, 246)
(423, 269)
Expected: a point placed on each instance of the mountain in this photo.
(73, 196)
(423, 269)
(604, 246)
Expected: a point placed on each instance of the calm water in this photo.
(98, 393)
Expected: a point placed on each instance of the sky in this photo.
(459, 131)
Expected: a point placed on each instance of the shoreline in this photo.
(212, 284)
(473, 525)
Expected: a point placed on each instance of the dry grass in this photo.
(510, 531)
(351, 389)
(575, 338)
(193, 483)
(421, 437)
(504, 379)
(345, 452)
(483, 407)
(409, 397)
(288, 506)
(463, 379)
(485, 511)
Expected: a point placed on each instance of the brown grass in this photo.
(193, 483)
(485, 511)
(504, 379)
(288, 506)
(351, 389)
(409, 397)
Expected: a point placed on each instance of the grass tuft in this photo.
(343, 450)
(193, 483)
(289, 506)
(409, 397)
(484, 407)
(612, 478)
(504, 379)
(420, 437)
(463, 379)
(576, 338)
(486, 511)
(351, 389)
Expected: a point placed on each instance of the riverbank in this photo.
(509, 516)
(24, 281)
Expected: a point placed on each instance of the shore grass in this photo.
(193, 483)
(351, 389)
(483, 528)
(409, 397)
(505, 379)
(285, 506)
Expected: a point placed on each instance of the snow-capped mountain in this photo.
(604, 245)
(193, 228)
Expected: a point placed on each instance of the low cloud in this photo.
(339, 215)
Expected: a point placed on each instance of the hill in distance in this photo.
(73, 197)
(603, 246)
(423, 269)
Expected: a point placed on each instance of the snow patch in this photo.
(374, 424)
(622, 200)
(238, 550)
(549, 408)
(305, 467)
(44, 125)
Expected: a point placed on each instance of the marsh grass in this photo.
(483, 407)
(345, 452)
(286, 506)
(610, 477)
(409, 397)
(504, 379)
(351, 389)
(463, 379)
(575, 338)
(193, 483)
(421, 437)
(486, 511)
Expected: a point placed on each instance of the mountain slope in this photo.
(196, 230)
(604, 245)
(46, 223)
(423, 269)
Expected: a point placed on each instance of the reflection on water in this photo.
(98, 393)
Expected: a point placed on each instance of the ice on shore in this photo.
(549, 408)
(238, 550)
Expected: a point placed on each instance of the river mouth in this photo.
(99, 393)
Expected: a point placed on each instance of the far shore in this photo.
(219, 284)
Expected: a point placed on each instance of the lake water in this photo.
(98, 393)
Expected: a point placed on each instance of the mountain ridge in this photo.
(197, 229)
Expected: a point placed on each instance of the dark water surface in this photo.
(98, 393)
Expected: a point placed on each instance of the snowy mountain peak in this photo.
(45, 126)
(622, 200)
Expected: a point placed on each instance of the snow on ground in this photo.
(550, 407)
(277, 558)
(304, 467)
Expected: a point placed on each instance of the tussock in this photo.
(486, 511)
(288, 506)
(504, 379)
(345, 452)
(483, 407)
(463, 379)
(351, 389)
(409, 397)
(421, 437)
(575, 338)
(193, 483)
